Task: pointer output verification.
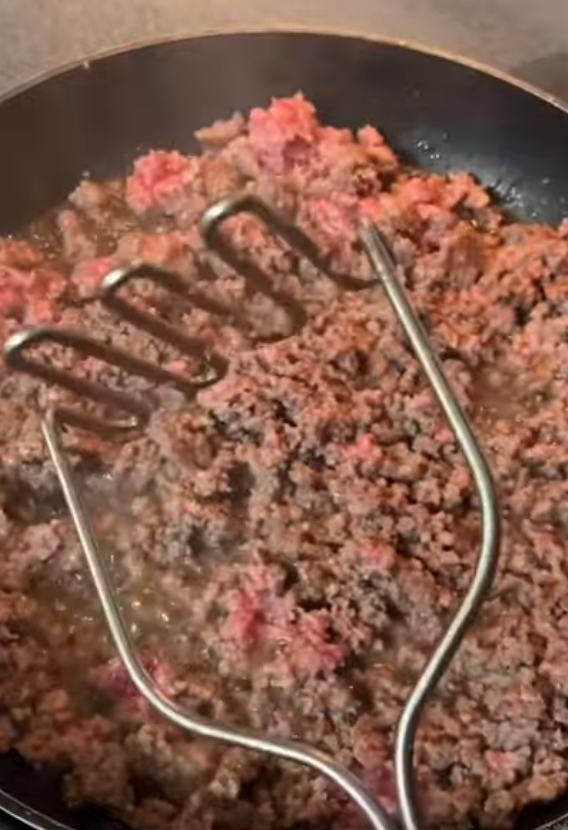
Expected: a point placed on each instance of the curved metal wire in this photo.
(285, 750)
(214, 216)
(384, 265)
(125, 412)
(385, 272)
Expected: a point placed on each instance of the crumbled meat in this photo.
(77, 244)
(222, 133)
(289, 546)
(88, 274)
(29, 288)
(159, 182)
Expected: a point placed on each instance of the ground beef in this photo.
(289, 546)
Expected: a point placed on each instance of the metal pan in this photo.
(439, 112)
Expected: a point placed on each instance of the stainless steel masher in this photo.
(133, 413)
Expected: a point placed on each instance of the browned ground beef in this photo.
(289, 546)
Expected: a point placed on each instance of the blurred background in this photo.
(530, 39)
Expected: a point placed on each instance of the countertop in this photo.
(528, 39)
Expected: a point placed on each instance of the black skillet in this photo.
(438, 112)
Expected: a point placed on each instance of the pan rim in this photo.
(101, 55)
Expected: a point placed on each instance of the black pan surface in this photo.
(440, 113)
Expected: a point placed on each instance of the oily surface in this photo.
(290, 545)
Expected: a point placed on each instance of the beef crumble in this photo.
(290, 545)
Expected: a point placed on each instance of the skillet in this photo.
(436, 111)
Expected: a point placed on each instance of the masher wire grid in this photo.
(137, 412)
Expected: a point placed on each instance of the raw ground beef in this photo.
(289, 546)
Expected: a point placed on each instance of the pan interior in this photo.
(438, 114)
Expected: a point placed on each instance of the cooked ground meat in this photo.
(289, 545)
